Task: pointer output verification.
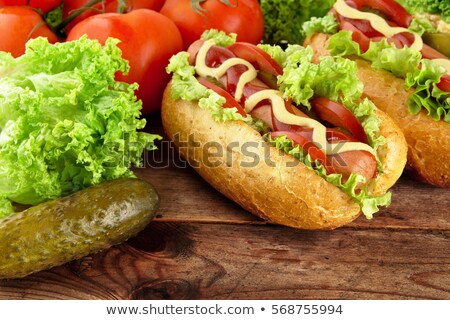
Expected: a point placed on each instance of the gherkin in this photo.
(90, 220)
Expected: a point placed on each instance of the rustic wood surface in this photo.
(203, 246)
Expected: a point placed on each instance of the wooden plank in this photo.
(205, 246)
(217, 261)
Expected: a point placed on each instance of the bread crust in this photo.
(263, 180)
(428, 140)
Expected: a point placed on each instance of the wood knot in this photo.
(167, 289)
(162, 241)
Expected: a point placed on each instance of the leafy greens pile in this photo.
(283, 19)
(65, 123)
(439, 7)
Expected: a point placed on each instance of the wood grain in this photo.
(203, 246)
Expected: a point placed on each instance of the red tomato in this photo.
(257, 57)
(444, 83)
(338, 115)
(70, 6)
(20, 24)
(43, 5)
(148, 38)
(243, 17)
(230, 102)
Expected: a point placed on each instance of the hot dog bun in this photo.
(283, 193)
(428, 140)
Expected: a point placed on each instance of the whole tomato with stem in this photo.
(43, 5)
(192, 17)
(89, 8)
(148, 40)
(20, 24)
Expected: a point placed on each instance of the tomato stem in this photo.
(196, 6)
(59, 29)
(122, 6)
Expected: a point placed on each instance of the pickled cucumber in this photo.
(72, 227)
(438, 41)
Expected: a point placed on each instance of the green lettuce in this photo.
(65, 123)
(220, 38)
(439, 7)
(283, 19)
(186, 87)
(325, 24)
(403, 63)
(421, 25)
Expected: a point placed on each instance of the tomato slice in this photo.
(336, 135)
(230, 102)
(260, 59)
(308, 146)
(444, 83)
(193, 50)
(217, 55)
(338, 115)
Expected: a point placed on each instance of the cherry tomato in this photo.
(230, 102)
(20, 24)
(70, 6)
(44, 5)
(243, 17)
(339, 116)
(148, 40)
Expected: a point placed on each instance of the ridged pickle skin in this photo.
(69, 228)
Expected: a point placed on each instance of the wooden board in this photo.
(203, 246)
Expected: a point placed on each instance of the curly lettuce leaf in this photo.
(325, 24)
(404, 63)
(283, 19)
(421, 25)
(334, 78)
(220, 37)
(439, 7)
(65, 123)
(186, 87)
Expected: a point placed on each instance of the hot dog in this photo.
(402, 75)
(309, 168)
